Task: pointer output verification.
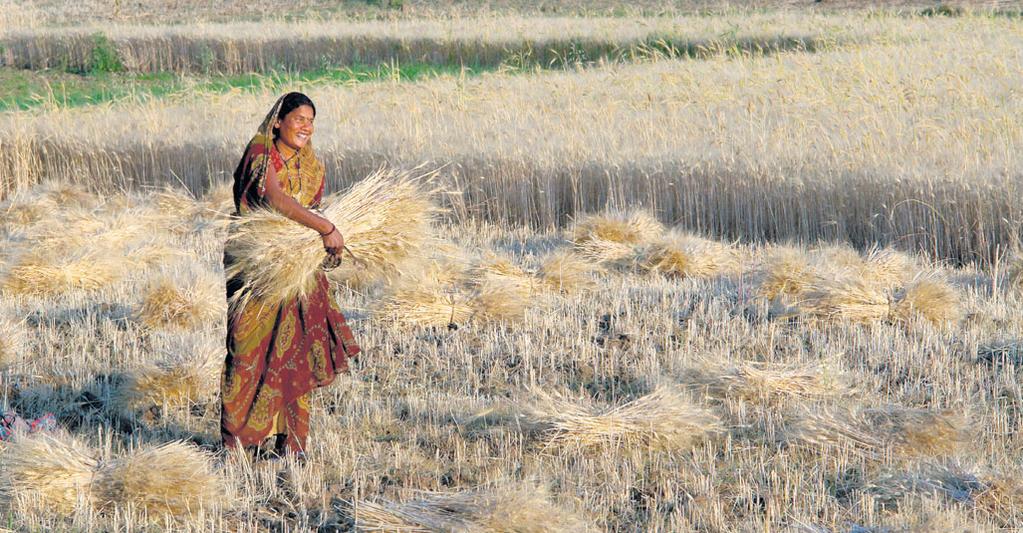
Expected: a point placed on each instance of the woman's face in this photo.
(296, 128)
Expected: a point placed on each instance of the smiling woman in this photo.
(278, 353)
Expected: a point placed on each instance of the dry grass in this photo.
(632, 227)
(385, 219)
(873, 430)
(684, 255)
(665, 420)
(847, 298)
(507, 509)
(47, 474)
(175, 479)
(426, 306)
(40, 275)
(785, 272)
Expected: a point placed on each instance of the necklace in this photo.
(298, 172)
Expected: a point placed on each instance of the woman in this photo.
(277, 354)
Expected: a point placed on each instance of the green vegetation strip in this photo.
(25, 89)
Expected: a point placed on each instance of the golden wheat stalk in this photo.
(662, 420)
(847, 298)
(385, 218)
(634, 227)
(785, 272)
(44, 473)
(568, 272)
(426, 306)
(929, 298)
(174, 478)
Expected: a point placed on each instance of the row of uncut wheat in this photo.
(486, 42)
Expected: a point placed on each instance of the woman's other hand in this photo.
(334, 242)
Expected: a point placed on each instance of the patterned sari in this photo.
(278, 353)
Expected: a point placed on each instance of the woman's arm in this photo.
(289, 207)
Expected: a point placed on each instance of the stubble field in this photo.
(739, 287)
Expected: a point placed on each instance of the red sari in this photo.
(277, 354)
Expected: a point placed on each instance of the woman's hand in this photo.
(334, 242)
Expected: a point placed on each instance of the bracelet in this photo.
(333, 228)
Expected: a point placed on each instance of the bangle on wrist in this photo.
(333, 228)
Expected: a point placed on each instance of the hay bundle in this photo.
(888, 267)
(662, 420)
(385, 218)
(167, 305)
(13, 340)
(786, 272)
(519, 509)
(607, 253)
(174, 478)
(568, 272)
(177, 380)
(43, 473)
(870, 431)
(685, 255)
(930, 299)
(502, 298)
(42, 275)
(764, 382)
(846, 298)
(23, 211)
(634, 227)
(426, 306)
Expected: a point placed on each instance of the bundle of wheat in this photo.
(23, 210)
(764, 382)
(871, 431)
(634, 227)
(888, 267)
(13, 340)
(502, 298)
(44, 473)
(931, 299)
(687, 256)
(164, 304)
(662, 420)
(500, 271)
(847, 298)
(608, 253)
(518, 509)
(426, 306)
(568, 272)
(174, 478)
(385, 218)
(786, 272)
(945, 480)
(43, 275)
(180, 379)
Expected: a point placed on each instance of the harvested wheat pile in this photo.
(385, 218)
(888, 267)
(502, 298)
(765, 382)
(13, 340)
(871, 431)
(46, 474)
(426, 306)
(685, 255)
(662, 420)
(42, 275)
(930, 299)
(848, 298)
(178, 380)
(786, 272)
(634, 227)
(167, 305)
(22, 211)
(608, 253)
(518, 509)
(174, 478)
(568, 272)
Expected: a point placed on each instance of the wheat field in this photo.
(752, 288)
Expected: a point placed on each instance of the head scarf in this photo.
(250, 174)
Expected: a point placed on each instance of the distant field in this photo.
(910, 139)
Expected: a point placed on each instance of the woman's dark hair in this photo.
(291, 102)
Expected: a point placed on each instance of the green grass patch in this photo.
(25, 89)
